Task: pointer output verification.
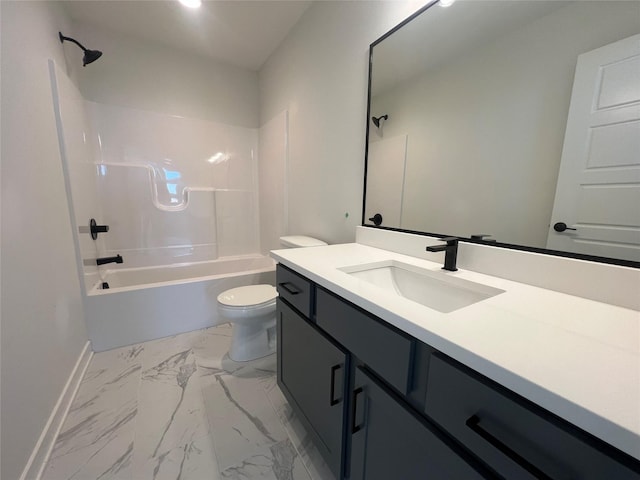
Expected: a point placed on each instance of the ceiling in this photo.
(441, 35)
(242, 32)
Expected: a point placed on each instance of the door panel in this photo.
(311, 374)
(598, 189)
(391, 442)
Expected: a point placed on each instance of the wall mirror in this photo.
(516, 120)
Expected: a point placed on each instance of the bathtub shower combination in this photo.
(180, 197)
(153, 302)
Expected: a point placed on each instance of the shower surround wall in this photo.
(174, 189)
(180, 198)
(171, 189)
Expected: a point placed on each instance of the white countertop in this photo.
(578, 358)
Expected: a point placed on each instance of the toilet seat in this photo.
(250, 297)
(248, 303)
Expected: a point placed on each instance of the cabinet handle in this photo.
(290, 287)
(332, 400)
(473, 422)
(354, 409)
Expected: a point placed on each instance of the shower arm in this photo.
(63, 38)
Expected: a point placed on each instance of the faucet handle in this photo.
(481, 236)
(451, 252)
(95, 229)
(450, 240)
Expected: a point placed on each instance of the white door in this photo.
(598, 190)
(385, 180)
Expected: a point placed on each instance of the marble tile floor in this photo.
(178, 408)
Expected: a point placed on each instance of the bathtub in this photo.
(152, 302)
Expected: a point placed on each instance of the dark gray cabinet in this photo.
(296, 290)
(514, 437)
(382, 405)
(388, 441)
(384, 349)
(311, 374)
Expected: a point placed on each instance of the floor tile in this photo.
(179, 407)
(278, 462)
(96, 440)
(241, 418)
(298, 434)
(171, 406)
(193, 460)
(157, 351)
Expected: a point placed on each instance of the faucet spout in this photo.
(451, 252)
(103, 260)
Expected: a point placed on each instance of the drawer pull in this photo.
(354, 410)
(290, 287)
(473, 422)
(332, 394)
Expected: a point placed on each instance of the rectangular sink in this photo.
(434, 289)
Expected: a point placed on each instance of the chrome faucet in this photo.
(451, 252)
(103, 260)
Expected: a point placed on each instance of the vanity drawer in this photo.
(514, 437)
(384, 350)
(295, 289)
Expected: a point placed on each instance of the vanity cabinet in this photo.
(388, 440)
(311, 375)
(386, 350)
(381, 404)
(514, 437)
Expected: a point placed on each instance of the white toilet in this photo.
(252, 310)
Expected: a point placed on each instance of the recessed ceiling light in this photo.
(191, 3)
(443, 3)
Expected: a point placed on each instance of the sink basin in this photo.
(434, 289)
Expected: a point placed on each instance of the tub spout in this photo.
(103, 260)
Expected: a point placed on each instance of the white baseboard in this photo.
(40, 455)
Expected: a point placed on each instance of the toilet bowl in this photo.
(252, 311)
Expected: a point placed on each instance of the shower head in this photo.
(379, 121)
(90, 56)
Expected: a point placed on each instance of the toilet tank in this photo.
(297, 241)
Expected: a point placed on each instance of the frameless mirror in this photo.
(515, 120)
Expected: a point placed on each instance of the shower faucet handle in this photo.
(94, 228)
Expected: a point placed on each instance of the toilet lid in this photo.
(248, 296)
(301, 241)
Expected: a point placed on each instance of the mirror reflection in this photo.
(518, 121)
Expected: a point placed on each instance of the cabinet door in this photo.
(514, 437)
(389, 441)
(311, 374)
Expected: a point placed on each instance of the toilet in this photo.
(252, 311)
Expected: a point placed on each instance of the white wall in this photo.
(137, 74)
(43, 330)
(319, 74)
(496, 135)
(272, 177)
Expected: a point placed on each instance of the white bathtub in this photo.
(147, 303)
